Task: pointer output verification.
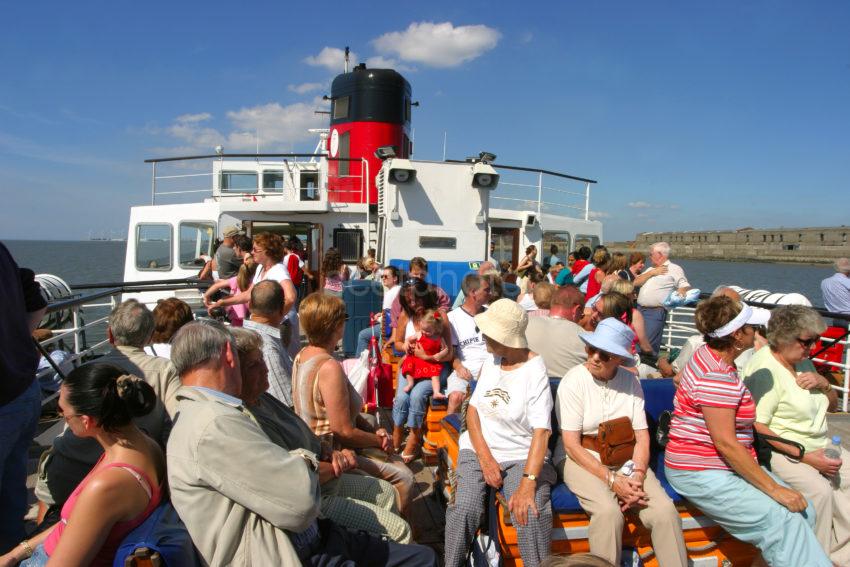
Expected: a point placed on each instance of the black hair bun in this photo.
(138, 396)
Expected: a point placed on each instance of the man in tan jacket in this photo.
(245, 500)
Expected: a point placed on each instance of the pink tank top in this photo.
(106, 555)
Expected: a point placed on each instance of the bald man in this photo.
(555, 337)
(267, 312)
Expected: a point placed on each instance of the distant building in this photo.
(809, 244)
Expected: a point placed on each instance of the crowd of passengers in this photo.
(259, 443)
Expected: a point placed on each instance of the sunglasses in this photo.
(603, 356)
(807, 343)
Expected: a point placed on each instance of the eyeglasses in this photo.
(67, 416)
(603, 356)
(256, 250)
(807, 343)
(385, 277)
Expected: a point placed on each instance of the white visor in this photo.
(745, 316)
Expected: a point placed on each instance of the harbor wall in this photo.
(810, 245)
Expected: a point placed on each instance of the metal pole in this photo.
(153, 185)
(587, 201)
(846, 375)
(539, 193)
(368, 213)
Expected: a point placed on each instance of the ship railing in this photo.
(80, 323)
(542, 191)
(185, 179)
(680, 326)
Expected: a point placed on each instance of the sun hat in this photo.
(231, 231)
(504, 322)
(612, 336)
(747, 316)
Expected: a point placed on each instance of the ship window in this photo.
(153, 247)
(238, 182)
(196, 239)
(309, 185)
(444, 242)
(344, 152)
(586, 240)
(341, 107)
(273, 181)
(561, 242)
(349, 242)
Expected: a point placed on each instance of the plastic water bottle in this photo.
(834, 450)
(627, 469)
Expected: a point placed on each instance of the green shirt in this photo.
(787, 409)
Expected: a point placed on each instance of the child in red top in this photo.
(430, 339)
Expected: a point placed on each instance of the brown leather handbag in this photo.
(616, 441)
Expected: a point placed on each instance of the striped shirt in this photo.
(277, 361)
(707, 381)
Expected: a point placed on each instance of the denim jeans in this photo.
(39, 558)
(654, 319)
(412, 405)
(18, 423)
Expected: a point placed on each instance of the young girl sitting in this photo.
(430, 339)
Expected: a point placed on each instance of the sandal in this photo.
(409, 458)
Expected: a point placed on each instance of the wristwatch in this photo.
(529, 476)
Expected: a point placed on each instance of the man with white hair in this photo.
(656, 289)
(836, 291)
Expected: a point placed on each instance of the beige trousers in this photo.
(394, 471)
(605, 532)
(831, 502)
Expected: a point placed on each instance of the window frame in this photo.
(170, 265)
(275, 190)
(207, 223)
(253, 191)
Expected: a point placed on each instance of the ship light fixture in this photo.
(401, 171)
(484, 176)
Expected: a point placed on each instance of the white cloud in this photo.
(193, 118)
(305, 88)
(272, 125)
(526, 37)
(645, 205)
(438, 44)
(331, 58)
(381, 62)
(595, 215)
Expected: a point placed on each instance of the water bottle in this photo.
(833, 451)
(627, 469)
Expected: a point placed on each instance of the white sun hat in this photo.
(504, 322)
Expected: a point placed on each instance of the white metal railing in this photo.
(525, 189)
(192, 183)
(81, 338)
(680, 325)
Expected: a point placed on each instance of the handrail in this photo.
(216, 156)
(531, 170)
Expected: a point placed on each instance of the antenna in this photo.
(347, 51)
(445, 135)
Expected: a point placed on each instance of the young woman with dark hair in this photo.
(100, 401)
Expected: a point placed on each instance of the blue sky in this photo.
(691, 116)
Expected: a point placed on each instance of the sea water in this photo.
(86, 262)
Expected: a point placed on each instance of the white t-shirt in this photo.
(584, 402)
(468, 341)
(511, 405)
(280, 274)
(527, 302)
(389, 296)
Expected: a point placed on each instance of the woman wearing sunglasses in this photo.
(791, 401)
(593, 398)
(710, 459)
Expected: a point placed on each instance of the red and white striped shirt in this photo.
(707, 381)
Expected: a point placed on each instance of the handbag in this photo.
(616, 441)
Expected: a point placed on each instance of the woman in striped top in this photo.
(710, 458)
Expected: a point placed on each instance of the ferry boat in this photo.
(359, 189)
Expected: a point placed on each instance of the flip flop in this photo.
(407, 459)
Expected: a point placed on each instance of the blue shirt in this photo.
(836, 293)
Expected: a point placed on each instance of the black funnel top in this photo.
(374, 95)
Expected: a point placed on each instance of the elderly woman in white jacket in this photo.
(596, 392)
(505, 445)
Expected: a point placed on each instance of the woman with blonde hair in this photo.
(325, 399)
